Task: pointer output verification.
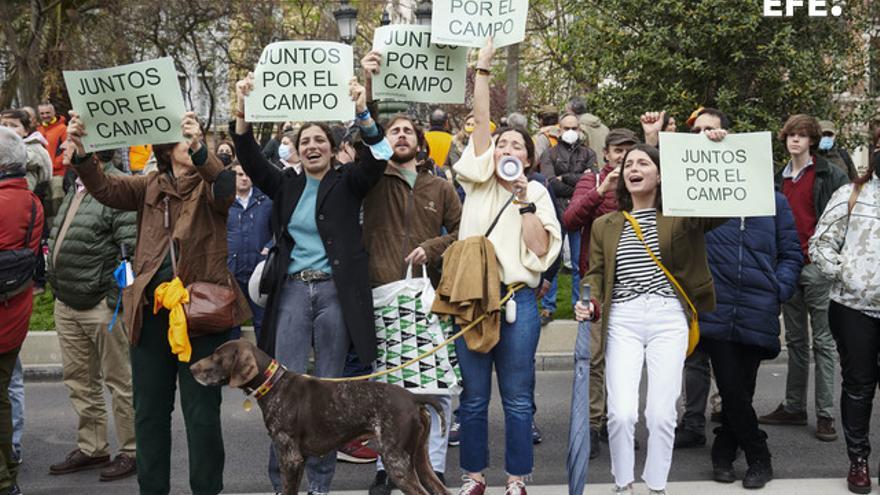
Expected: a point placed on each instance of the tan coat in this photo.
(682, 251)
(198, 223)
(471, 286)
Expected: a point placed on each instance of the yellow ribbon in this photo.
(172, 296)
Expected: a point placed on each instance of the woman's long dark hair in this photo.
(873, 169)
(624, 198)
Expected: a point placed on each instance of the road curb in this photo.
(41, 354)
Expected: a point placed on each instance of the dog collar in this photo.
(272, 374)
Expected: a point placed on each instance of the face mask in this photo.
(226, 158)
(570, 136)
(826, 143)
(284, 152)
(468, 129)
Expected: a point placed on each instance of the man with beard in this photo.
(404, 216)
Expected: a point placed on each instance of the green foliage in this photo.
(631, 56)
(44, 307)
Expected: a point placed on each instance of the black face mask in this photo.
(226, 158)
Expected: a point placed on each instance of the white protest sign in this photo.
(303, 81)
(731, 178)
(472, 22)
(128, 105)
(415, 70)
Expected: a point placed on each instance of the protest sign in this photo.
(731, 178)
(302, 80)
(413, 69)
(472, 22)
(128, 105)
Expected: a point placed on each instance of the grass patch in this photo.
(564, 311)
(44, 309)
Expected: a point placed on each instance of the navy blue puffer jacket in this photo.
(756, 263)
(247, 233)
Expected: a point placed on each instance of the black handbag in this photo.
(272, 274)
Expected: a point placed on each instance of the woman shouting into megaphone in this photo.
(526, 240)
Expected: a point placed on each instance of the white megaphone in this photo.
(509, 168)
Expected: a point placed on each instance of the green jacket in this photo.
(82, 272)
(682, 251)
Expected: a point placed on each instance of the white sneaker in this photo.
(657, 492)
(623, 490)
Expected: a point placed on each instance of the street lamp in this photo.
(386, 19)
(423, 13)
(346, 19)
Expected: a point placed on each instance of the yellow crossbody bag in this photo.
(694, 327)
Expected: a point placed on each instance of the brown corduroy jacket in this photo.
(469, 287)
(198, 225)
(399, 218)
(682, 251)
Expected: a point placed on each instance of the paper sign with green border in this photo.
(730, 178)
(128, 105)
(302, 81)
(472, 22)
(415, 70)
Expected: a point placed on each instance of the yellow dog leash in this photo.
(510, 291)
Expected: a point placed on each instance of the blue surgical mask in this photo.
(826, 143)
(284, 152)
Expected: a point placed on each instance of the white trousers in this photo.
(650, 329)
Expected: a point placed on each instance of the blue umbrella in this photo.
(579, 429)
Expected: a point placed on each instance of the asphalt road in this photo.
(51, 429)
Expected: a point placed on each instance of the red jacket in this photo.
(15, 314)
(585, 207)
(55, 134)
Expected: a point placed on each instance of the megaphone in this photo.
(509, 168)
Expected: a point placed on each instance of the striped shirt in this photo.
(636, 273)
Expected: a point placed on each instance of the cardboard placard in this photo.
(731, 178)
(413, 69)
(128, 105)
(302, 81)
(472, 22)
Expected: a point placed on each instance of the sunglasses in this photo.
(698, 130)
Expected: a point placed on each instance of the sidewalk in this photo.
(776, 487)
(41, 356)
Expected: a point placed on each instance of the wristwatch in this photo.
(528, 208)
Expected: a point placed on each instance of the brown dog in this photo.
(311, 417)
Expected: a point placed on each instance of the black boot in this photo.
(759, 473)
(595, 446)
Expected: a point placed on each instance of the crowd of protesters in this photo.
(337, 211)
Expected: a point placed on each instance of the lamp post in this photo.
(386, 19)
(346, 19)
(423, 13)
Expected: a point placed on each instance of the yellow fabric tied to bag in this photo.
(172, 296)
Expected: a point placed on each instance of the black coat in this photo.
(338, 217)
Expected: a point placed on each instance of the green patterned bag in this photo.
(405, 329)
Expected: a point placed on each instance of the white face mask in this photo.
(570, 136)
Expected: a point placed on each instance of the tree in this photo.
(630, 56)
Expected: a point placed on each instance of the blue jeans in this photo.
(255, 309)
(16, 398)
(309, 315)
(574, 245)
(513, 358)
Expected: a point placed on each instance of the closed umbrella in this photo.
(579, 427)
